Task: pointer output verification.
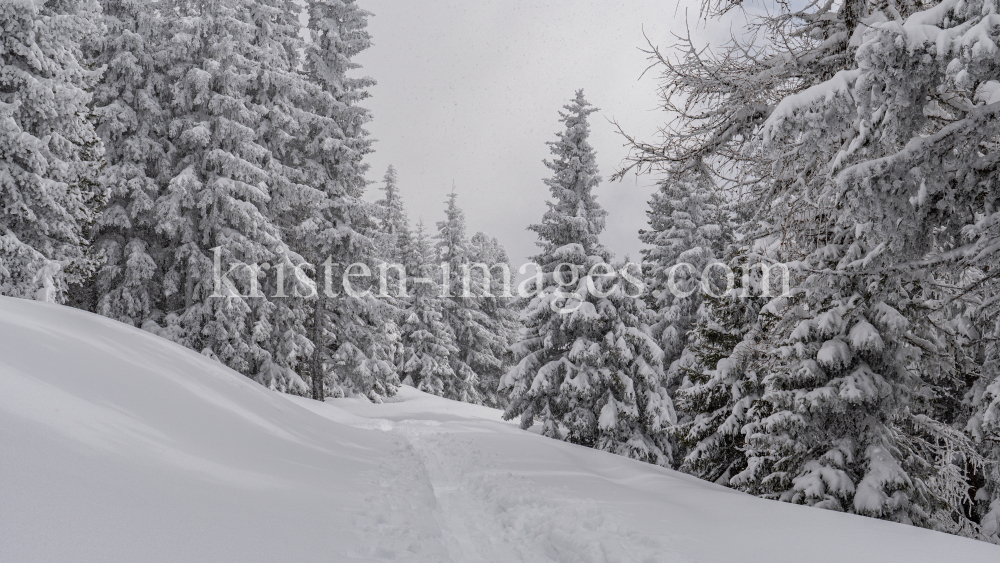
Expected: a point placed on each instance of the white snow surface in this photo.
(116, 445)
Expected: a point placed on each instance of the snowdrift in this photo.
(116, 445)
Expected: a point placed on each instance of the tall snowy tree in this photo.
(213, 211)
(198, 109)
(132, 121)
(587, 365)
(895, 176)
(52, 155)
(480, 317)
(717, 377)
(351, 351)
(574, 217)
(461, 312)
(297, 112)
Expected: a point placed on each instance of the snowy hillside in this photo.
(116, 445)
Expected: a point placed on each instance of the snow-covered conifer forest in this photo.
(239, 320)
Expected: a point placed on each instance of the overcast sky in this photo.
(469, 92)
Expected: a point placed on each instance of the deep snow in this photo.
(116, 445)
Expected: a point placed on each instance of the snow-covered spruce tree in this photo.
(51, 154)
(717, 376)
(428, 342)
(474, 335)
(692, 224)
(353, 349)
(297, 113)
(879, 174)
(984, 426)
(979, 333)
(688, 224)
(132, 121)
(587, 365)
(142, 111)
(392, 240)
(876, 167)
(965, 149)
(497, 302)
(393, 221)
(842, 420)
(574, 217)
(213, 212)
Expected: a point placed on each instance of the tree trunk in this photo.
(318, 391)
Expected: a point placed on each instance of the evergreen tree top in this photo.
(395, 220)
(339, 29)
(452, 245)
(390, 188)
(488, 249)
(574, 217)
(419, 254)
(686, 214)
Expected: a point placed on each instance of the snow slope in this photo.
(118, 446)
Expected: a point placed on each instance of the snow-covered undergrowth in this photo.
(116, 445)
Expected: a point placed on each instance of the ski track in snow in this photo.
(489, 514)
(403, 523)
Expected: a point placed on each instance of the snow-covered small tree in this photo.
(587, 366)
(461, 312)
(428, 342)
(48, 175)
(393, 221)
(497, 302)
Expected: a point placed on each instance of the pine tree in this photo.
(428, 342)
(587, 365)
(213, 212)
(870, 168)
(840, 423)
(718, 381)
(351, 349)
(393, 239)
(132, 122)
(296, 106)
(866, 379)
(575, 217)
(197, 109)
(48, 188)
(497, 302)
(461, 312)
(688, 225)
(984, 427)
